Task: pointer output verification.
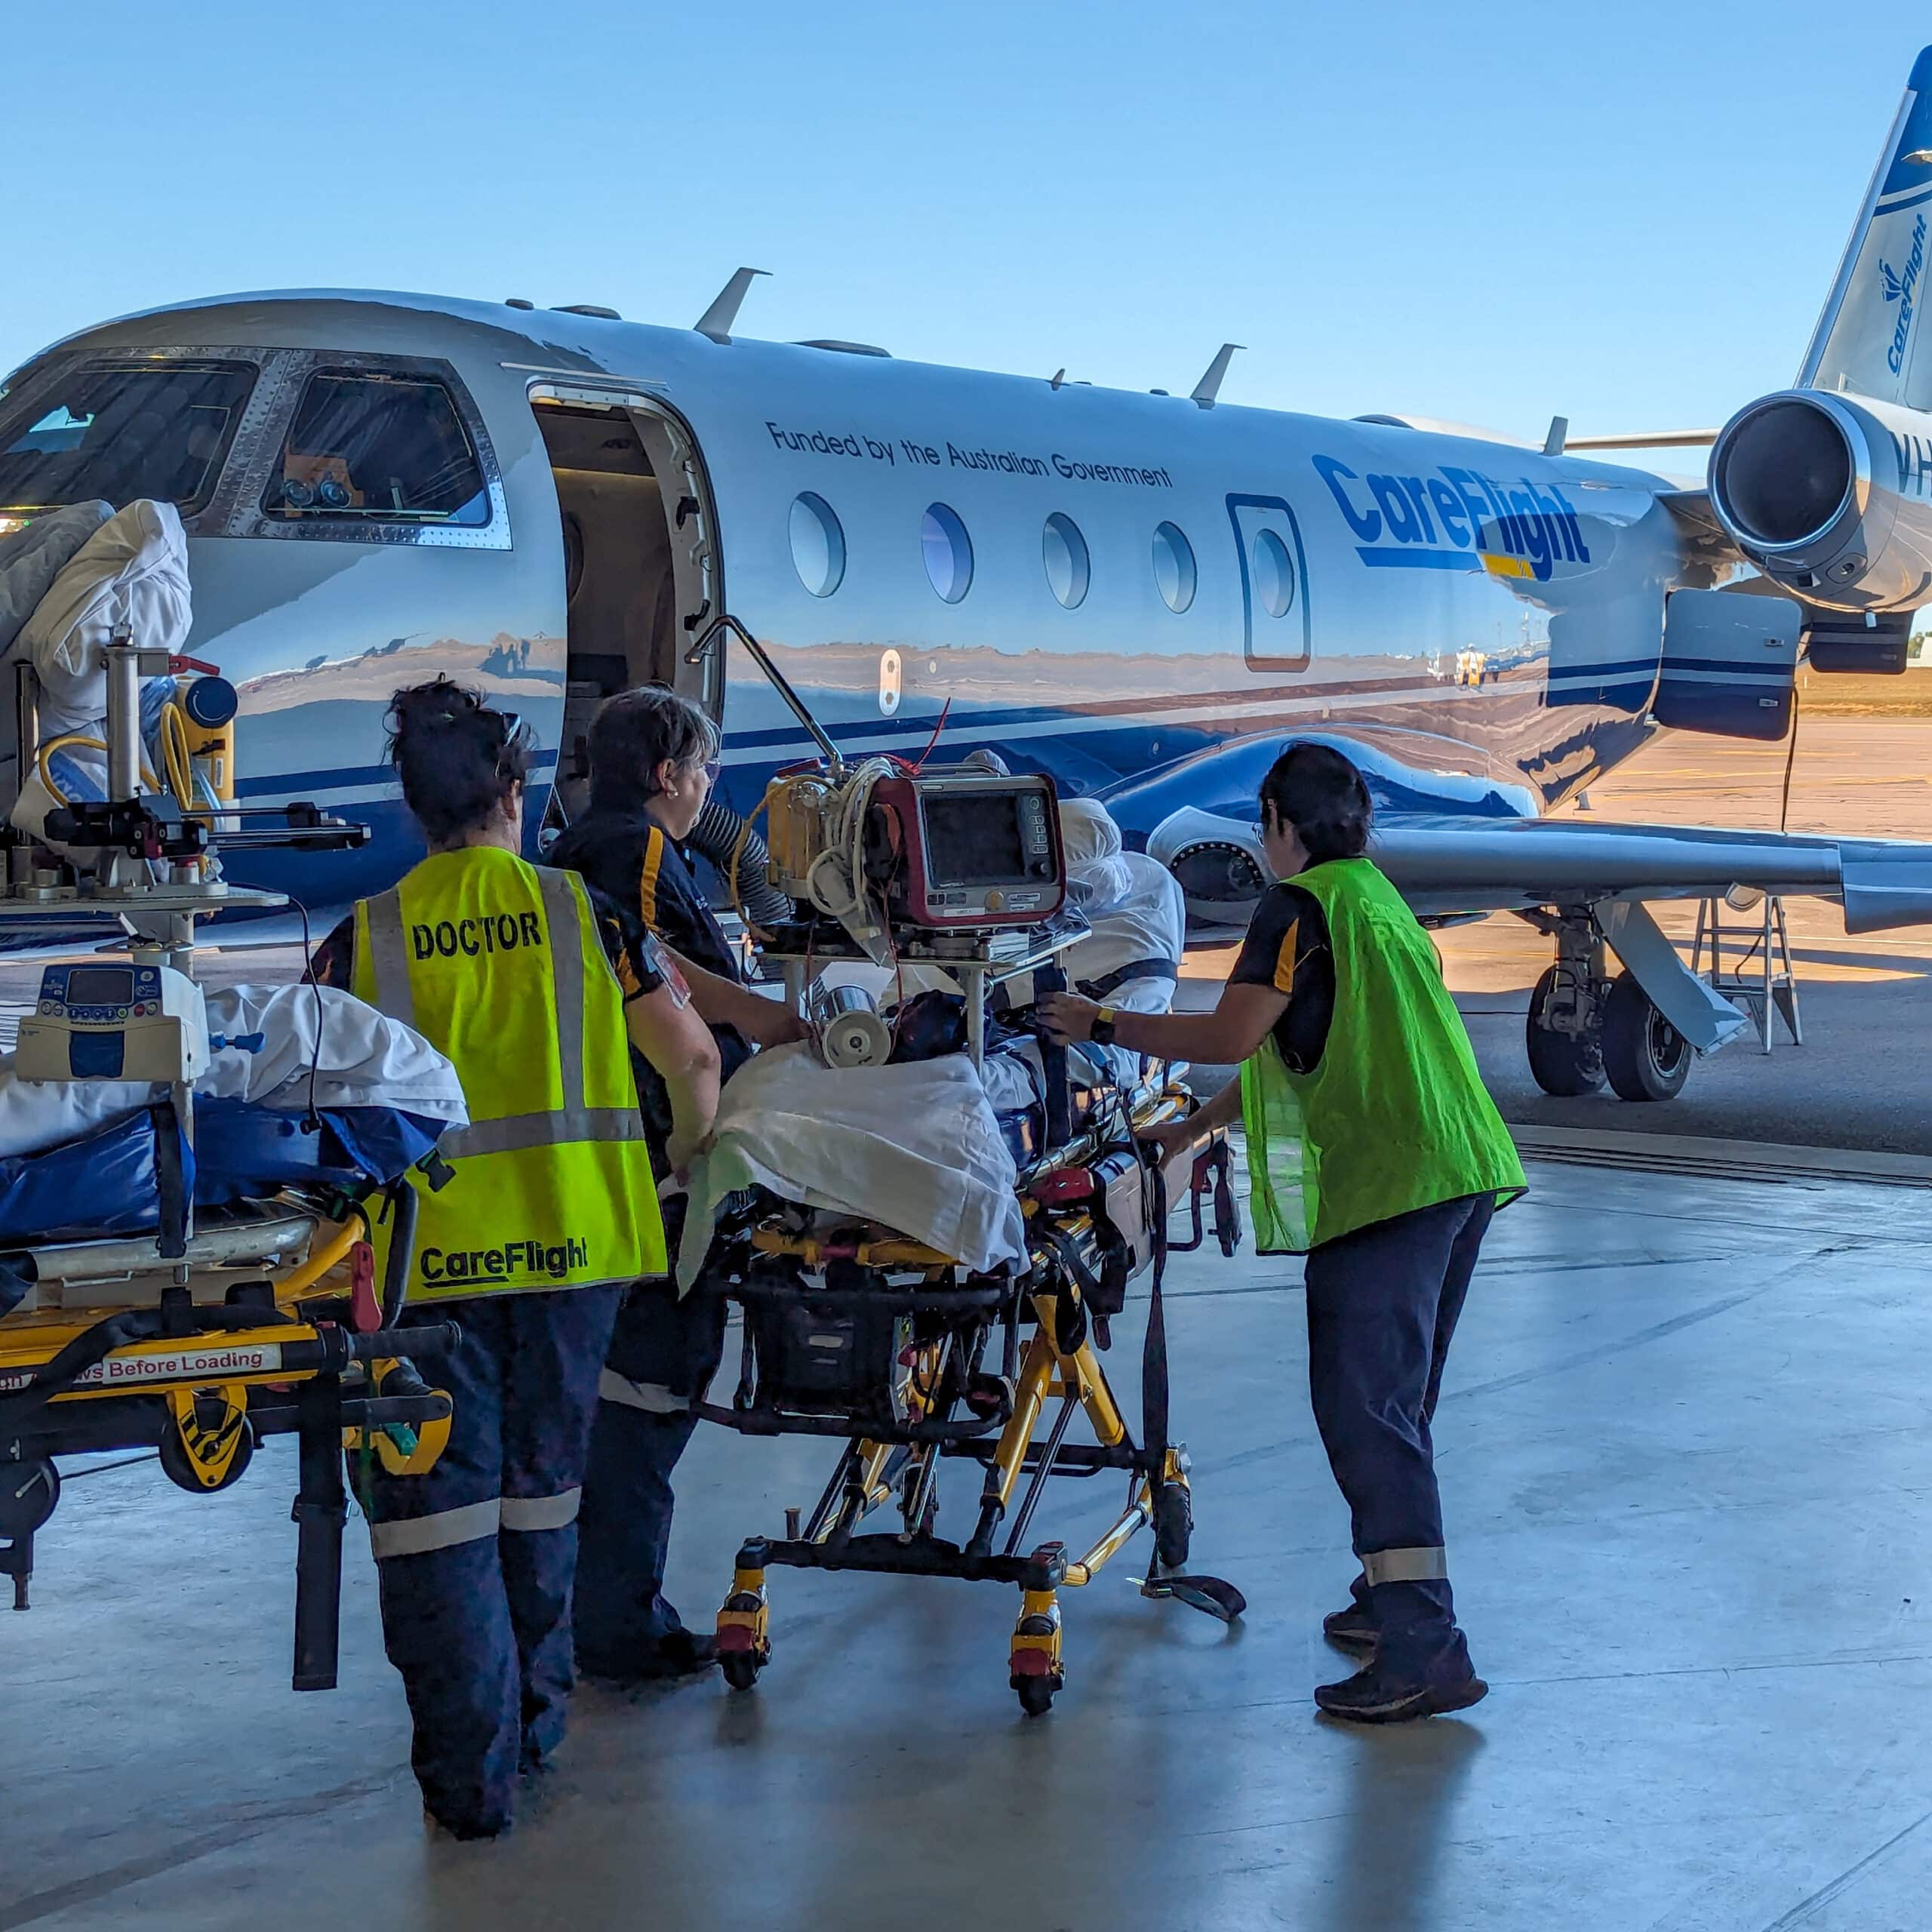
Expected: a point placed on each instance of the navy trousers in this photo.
(474, 1559)
(1382, 1306)
(663, 1353)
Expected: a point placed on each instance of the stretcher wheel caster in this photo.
(1036, 1694)
(1173, 1524)
(741, 1668)
(210, 1441)
(1035, 1671)
(744, 1643)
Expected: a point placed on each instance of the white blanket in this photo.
(367, 1060)
(915, 1148)
(132, 572)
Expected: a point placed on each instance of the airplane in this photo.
(1142, 595)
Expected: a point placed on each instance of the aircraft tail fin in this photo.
(1868, 338)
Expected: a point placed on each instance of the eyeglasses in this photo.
(712, 767)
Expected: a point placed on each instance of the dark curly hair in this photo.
(1313, 788)
(458, 760)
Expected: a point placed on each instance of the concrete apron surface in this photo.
(1685, 1451)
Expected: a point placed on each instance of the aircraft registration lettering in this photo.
(1455, 519)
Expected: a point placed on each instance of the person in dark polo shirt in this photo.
(652, 757)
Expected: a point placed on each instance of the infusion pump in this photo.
(132, 1022)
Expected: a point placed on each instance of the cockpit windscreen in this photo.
(118, 433)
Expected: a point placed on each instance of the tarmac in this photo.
(1683, 1444)
(1862, 1078)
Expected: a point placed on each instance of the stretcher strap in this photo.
(1154, 1350)
(172, 1182)
(1151, 968)
(1059, 1123)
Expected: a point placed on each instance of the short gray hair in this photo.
(634, 733)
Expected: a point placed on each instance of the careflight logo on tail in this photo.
(1455, 519)
(1902, 287)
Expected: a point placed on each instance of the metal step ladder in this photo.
(1746, 959)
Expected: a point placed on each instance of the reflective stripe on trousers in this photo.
(415, 1535)
(653, 1398)
(1404, 1566)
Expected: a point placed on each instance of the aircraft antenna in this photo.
(716, 321)
(1209, 386)
(1059, 376)
(1557, 435)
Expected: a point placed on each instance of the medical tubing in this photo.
(92, 1346)
(331, 1349)
(741, 855)
(61, 743)
(175, 758)
(334, 1246)
(86, 743)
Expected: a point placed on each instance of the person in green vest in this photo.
(1373, 1149)
(536, 989)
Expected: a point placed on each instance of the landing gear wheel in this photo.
(1646, 1057)
(1173, 1524)
(740, 1668)
(1565, 1064)
(1036, 1694)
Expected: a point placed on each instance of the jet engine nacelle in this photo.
(1831, 496)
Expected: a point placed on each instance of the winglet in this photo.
(716, 321)
(1558, 435)
(1209, 386)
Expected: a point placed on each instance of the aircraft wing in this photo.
(1447, 863)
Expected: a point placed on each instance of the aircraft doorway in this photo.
(639, 564)
(1277, 632)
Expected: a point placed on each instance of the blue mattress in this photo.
(107, 1184)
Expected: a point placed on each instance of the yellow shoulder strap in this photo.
(646, 883)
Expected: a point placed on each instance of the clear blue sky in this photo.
(1627, 214)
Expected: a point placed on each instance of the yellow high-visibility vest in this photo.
(498, 964)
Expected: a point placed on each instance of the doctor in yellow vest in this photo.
(534, 990)
(1374, 1149)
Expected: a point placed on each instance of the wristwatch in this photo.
(1102, 1031)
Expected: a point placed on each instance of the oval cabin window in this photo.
(818, 544)
(1064, 551)
(948, 552)
(1274, 574)
(1174, 567)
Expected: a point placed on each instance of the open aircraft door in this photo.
(1277, 633)
(1730, 663)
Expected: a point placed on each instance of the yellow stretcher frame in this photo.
(287, 1349)
(1059, 1361)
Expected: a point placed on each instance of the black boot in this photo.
(1395, 1686)
(1354, 1629)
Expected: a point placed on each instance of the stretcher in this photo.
(853, 1331)
(910, 1357)
(192, 1276)
(250, 1309)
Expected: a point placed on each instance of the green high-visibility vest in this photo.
(1394, 1116)
(498, 964)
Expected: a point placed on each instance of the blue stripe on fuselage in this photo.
(1419, 560)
